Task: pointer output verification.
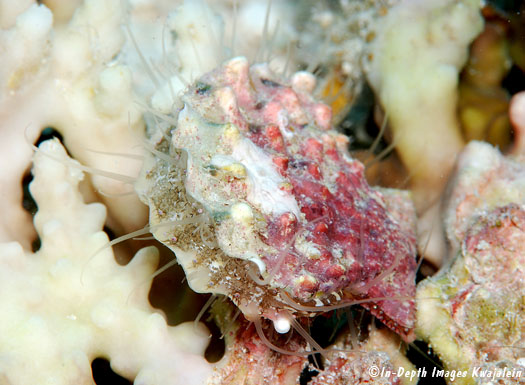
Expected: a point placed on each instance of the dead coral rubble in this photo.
(250, 360)
(472, 312)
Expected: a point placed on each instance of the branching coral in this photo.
(63, 77)
(70, 302)
(416, 39)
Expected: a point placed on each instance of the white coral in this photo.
(414, 68)
(67, 304)
(62, 75)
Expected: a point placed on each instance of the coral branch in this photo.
(53, 326)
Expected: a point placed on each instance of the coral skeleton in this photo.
(421, 109)
(61, 76)
(70, 302)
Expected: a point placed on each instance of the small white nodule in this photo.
(281, 325)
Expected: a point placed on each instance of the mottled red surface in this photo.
(248, 360)
(347, 368)
(344, 219)
(495, 245)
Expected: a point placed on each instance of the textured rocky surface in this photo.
(248, 359)
(382, 350)
(484, 180)
(472, 312)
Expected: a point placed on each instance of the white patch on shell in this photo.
(220, 160)
(264, 181)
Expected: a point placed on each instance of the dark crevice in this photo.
(171, 293)
(49, 133)
(215, 350)
(103, 375)
(270, 83)
(420, 275)
(359, 123)
(507, 6)
(514, 81)
(28, 203)
(422, 357)
(427, 269)
(310, 371)
(36, 244)
(52, 133)
(325, 328)
(109, 232)
(328, 328)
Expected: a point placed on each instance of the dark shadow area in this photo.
(171, 293)
(109, 232)
(327, 328)
(422, 357)
(514, 81)
(426, 270)
(507, 6)
(103, 375)
(359, 123)
(29, 205)
(49, 133)
(310, 371)
(215, 350)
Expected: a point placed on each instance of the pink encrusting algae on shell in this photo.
(293, 227)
